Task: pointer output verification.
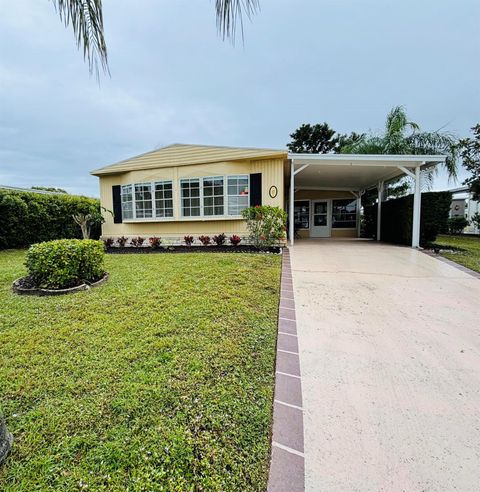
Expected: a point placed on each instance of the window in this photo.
(301, 214)
(238, 198)
(190, 193)
(344, 213)
(163, 199)
(127, 202)
(213, 196)
(143, 200)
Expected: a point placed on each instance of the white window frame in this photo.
(143, 183)
(154, 217)
(202, 203)
(154, 198)
(236, 196)
(132, 201)
(200, 197)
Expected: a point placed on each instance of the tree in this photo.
(94, 217)
(470, 153)
(48, 188)
(319, 139)
(402, 136)
(86, 19)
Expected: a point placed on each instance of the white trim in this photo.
(291, 204)
(291, 405)
(300, 169)
(289, 450)
(417, 199)
(407, 171)
(369, 159)
(289, 375)
(326, 188)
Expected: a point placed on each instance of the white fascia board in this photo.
(366, 159)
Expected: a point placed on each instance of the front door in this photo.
(320, 218)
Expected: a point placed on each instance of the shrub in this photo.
(137, 241)
(122, 241)
(235, 240)
(220, 239)
(65, 262)
(397, 217)
(205, 240)
(155, 242)
(28, 217)
(476, 220)
(266, 224)
(188, 240)
(108, 242)
(456, 225)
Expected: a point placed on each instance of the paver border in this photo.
(452, 263)
(287, 463)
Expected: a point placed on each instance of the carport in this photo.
(355, 173)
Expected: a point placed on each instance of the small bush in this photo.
(188, 240)
(137, 241)
(266, 225)
(220, 239)
(155, 242)
(235, 240)
(122, 241)
(65, 262)
(108, 242)
(456, 224)
(205, 240)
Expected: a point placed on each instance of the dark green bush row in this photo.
(65, 262)
(27, 218)
(397, 217)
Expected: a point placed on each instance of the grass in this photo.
(162, 379)
(468, 253)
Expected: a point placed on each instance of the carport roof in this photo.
(355, 171)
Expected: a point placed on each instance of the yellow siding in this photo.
(186, 155)
(272, 175)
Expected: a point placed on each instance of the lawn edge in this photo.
(287, 462)
(452, 263)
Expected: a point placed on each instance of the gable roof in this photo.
(184, 155)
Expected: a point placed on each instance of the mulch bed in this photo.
(26, 286)
(193, 249)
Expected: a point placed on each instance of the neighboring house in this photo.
(464, 206)
(30, 190)
(183, 190)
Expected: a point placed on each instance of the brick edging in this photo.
(287, 464)
(452, 263)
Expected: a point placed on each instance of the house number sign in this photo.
(273, 191)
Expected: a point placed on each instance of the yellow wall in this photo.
(272, 174)
(325, 194)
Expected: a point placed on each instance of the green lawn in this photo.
(162, 379)
(469, 257)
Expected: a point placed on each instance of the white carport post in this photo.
(359, 207)
(291, 225)
(379, 209)
(417, 202)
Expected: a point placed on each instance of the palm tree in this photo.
(86, 18)
(402, 136)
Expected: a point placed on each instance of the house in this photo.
(463, 205)
(183, 190)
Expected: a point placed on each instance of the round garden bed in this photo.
(193, 249)
(25, 286)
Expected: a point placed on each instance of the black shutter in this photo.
(255, 189)
(117, 204)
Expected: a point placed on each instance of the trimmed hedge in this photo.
(397, 217)
(27, 218)
(65, 262)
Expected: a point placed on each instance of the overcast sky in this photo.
(346, 62)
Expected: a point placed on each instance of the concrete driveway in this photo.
(390, 356)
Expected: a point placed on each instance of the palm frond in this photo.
(86, 19)
(231, 12)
